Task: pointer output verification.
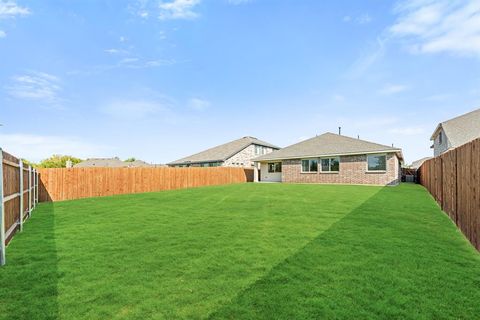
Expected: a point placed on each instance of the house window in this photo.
(310, 165)
(211, 164)
(440, 138)
(330, 164)
(377, 162)
(260, 150)
(274, 167)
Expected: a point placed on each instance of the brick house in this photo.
(237, 153)
(332, 158)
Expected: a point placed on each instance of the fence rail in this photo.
(18, 197)
(453, 179)
(75, 183)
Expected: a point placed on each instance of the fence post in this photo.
(2, 214)
(29, 191)
(21, 194)
(36, 186)
(34, 203)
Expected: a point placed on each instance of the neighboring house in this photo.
(140, 164)
(455, 132)
(112, 163)
(333, 158)
(418, 163)
(237, 153)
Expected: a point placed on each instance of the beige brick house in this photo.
(237, 153)
(332, 158)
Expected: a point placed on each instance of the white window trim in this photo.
(329, 171)
(376, 171)
(309, 159)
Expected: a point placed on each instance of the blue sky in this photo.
(159, 80)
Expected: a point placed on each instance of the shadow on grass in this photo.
(28, 282)
(394, 257)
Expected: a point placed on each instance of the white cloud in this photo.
(198, 104)
(364, 18)
(374, 53)
(138, 109)
(438, 97)
(439, 26)
(138, 63)
(38, 147)
(392, 89)
(407, 131)
(128, 61)
(178, 9)
(159, 63)
(10, 9)
(3, 34)
(116, 51)
(238, 2)
(39, 86)
(361, 19)
(139, 8)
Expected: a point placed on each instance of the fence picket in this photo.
(2, 215)
(453, 179)
(76, 183)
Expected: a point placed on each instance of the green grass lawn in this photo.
(249, 251)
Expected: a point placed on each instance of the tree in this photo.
(130, 159)
(58, 161)
(29, 163)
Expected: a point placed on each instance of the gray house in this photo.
(455, 132)
(237, 153)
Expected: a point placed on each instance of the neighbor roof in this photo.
(101, 162)
(111, 163)
(328, 144)
(462, 129)
(418, 163)
(223, 152)
(138, 163)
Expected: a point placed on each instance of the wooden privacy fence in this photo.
(18, 197)
(453, 179)
(76, 183)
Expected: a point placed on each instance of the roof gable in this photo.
(461, 129)
(328, 144)
(224, 151)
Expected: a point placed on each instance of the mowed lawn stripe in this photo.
(174, 254)
(397, 256)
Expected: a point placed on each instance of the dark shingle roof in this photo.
(223, 152)
(328, 144)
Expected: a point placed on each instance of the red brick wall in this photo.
(353, 170)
